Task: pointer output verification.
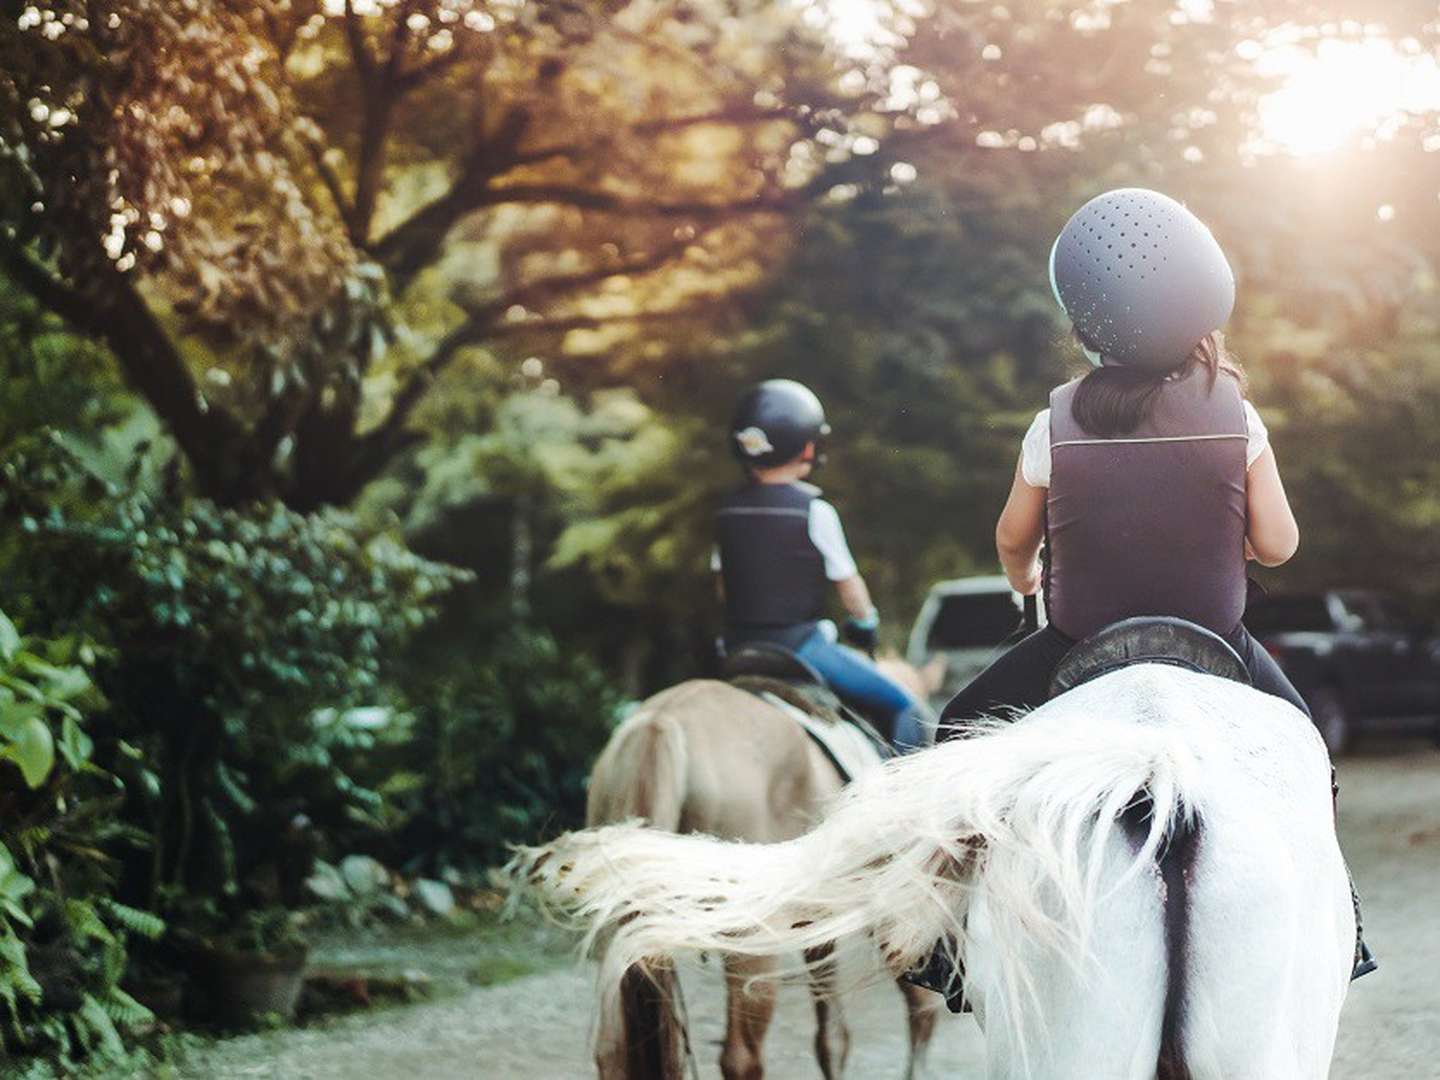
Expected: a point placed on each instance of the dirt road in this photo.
(536, 1028)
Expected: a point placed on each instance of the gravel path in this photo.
(537, 1027)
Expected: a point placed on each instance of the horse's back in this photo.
(1272, 932)
(1246, 935)
(743, 768)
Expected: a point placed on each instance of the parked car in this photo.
(965, 621)
(1353, 656)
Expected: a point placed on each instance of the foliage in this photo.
(62, 934)
(285, 255)
(1360, 430)
(501, 746)
(48, 374)
(225, 630)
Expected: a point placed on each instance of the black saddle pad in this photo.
(767, 661)
(765, 668)
(1148, 640)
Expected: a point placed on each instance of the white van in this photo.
(965, 621)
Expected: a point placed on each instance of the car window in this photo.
(974, 620)
(1282, 614)
(1376, 612)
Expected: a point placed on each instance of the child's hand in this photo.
(1028, 583)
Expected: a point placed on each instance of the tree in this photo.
(285, 255)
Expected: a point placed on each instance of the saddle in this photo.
(1148, 639)
(774, 673)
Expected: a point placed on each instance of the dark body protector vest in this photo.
(775, 584)
(1151, 522)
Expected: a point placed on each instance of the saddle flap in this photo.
(767, 661)
(1149, 639)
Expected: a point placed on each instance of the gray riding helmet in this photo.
(773, 422)
(1141, 278)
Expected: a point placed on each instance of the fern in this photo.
(124, 1010)
(94, 1028)
(133, 920)
(85, 922)
(15, 969)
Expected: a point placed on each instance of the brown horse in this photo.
(706, 757)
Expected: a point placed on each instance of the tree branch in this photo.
(331, 179)
(410, 246)
(419, 75)
(113, 310)
(359, 51)
(615, 203)
(565, 324)
(406, 249)
(735, 114)
(75, 308)
(484, 323)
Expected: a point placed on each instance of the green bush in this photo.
(62, 934)
(226, 627)
(500, 748)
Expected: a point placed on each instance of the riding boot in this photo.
(1364, 962)
(942, 974)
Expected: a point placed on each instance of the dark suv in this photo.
(1352, 655)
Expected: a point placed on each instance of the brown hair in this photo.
(1115, 400)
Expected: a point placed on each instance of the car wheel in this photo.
(1331, 719)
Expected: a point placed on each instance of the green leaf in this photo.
(61, 683)
(14, 718)
(33, 752)
(75, 745)
(9, 639)
(12, 952)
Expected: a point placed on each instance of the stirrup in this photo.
(1365, 962)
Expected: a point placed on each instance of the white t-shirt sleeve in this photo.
(715, 559)
(828, 536)
(1035, 451)
(1257, 438)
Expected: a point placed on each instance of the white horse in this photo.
(1142, 879)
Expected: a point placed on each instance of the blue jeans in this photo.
(859, 683)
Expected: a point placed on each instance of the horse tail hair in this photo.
(1023, 815)
(641, 775)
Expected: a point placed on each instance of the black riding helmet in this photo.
(1141, 278)
(773, 422)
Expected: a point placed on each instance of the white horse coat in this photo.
(1207, 935)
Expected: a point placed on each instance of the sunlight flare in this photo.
(1340, 90)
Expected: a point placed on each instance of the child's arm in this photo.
(1019, 532)
(1271, 535)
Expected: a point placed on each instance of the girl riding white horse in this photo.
(1141, 876)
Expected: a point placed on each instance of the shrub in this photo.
(500, 750)
(227, 628)
(62, 935)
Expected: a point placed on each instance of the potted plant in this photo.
(246, 969)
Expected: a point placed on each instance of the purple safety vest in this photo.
(1152, 522)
